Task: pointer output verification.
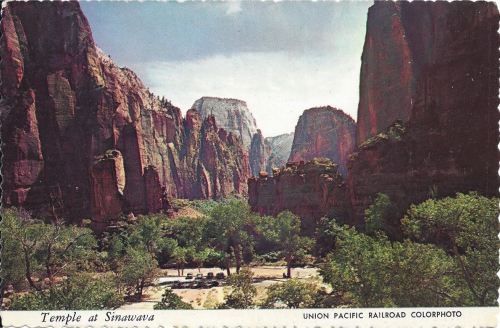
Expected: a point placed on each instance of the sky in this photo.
(280, 57)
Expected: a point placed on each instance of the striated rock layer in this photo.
(311, 190)
(324, 132)
(279, 150)
(232, 115)
(259, 154)
(433, 68)
(83, 137)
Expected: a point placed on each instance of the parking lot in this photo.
(191, 281)
(201, 295)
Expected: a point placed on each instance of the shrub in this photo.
(243, 291)
(171, 301)
(80, 292)
(293, 293)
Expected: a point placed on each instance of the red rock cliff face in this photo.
(405, 44)
(310, 190)
(66, 105)
(324, 132)
(386, 61)
(433, 66)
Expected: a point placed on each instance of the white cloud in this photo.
(277, 87)
(233, 7)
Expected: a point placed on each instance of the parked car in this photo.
(176, 284)
(185, 285)
(189, 276)
(213, 283)
(220, 276)
(199, 284)
(210, 275)
(199, 276)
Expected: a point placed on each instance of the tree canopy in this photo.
(284, 231)
(229, 230)
(467, 227)
(293, 293)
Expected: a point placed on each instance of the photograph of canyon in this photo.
(249, 155)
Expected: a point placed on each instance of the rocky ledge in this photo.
(309, 189)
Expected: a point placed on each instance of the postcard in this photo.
(249, 164)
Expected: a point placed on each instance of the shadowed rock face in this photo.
(415, 52)
(427, 117)
(434, 67)
(107, 185)
(279, 150)
(324, 132)
(66, 106)
(310, 190)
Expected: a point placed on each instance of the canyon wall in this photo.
(427, 117)
(279, 150)
(324, 132)
(259, 154)
(310, 190)
(234, 116)
(72, 119)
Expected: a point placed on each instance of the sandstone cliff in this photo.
(324, 132)
(434, 67)
(279, 150)
(83, 137)
(427, 117)
(310, 190)
(232, 115)
(259, 154)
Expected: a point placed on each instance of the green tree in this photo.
(13, 235)
(171, 301)
(116, 251)
(80, 292)
(228, 230)
(186, 230)
(382, 216)
(243, 291)
(179, 256)
(372, 271)
(62, 247)
(199, 257)
(147, 232)
(138, 270)
(166, 253)
(324, 237)
(467, 227)
(215, 258)
(284, 230)
(205, 206)
(41, 249)
(293, 293)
